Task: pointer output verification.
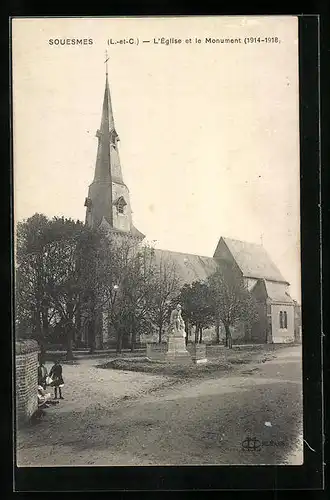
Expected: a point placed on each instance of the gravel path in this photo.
(89, 394)
(114, 417)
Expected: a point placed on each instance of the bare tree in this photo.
(230, 299)
(122, 283)
(165, 287)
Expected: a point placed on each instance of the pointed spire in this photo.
(108, 186)
(107, 106)
(108, 163)
(106, 62)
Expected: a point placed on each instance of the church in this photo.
(108, 206)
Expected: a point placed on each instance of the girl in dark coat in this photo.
(42, 375)
(58, 382)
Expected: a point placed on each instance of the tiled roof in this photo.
(253, 260)
(276, 292)
(189, 267)
(133, 232)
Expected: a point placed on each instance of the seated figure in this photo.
(177, 326)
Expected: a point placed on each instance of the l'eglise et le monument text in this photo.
(108, 207)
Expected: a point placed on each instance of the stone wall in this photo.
(282, 335)
(26, 378)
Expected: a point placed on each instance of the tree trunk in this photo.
(200, 334)
(91, 336)
(133, 339)
(69, 332)
(78, 329)
(119, 341)
(217, 331)
(229, 340)
(196, 333)
(38, 330)
(92, 326)
(247, 333)
(44, 322)
(160, 331)
(69, 352)
(42, 349)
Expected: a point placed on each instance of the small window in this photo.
(88, 204)
(281, 319)
(285, 318)
(120, 204)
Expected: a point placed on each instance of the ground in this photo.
(248, 415)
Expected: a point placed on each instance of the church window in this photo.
(283, 319)
(88, 204)
(120, 204)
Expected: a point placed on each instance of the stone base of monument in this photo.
(198, 353)
(177, 351)
(156, 351)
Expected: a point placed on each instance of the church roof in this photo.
(253, 260)
(105, 224)
(277, 293)
(189, 267)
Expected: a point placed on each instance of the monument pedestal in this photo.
(176, 350)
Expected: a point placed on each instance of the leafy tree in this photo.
(48, 280)
(196, 307)
(64, 284)
(230, 299)
(31, 302)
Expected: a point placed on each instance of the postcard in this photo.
(157, 241)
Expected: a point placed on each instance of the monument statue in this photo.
(177, 326)
(176, 341)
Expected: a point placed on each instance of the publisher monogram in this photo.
(254, 444)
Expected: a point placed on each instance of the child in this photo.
(42, 374)
(58, 382)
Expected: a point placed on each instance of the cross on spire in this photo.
(106, 62)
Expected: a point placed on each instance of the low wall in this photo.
(26, 378)
(197, 352)
(156, 351)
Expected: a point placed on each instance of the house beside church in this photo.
(108, 206)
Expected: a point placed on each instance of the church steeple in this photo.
(108, 199)
(108, 161)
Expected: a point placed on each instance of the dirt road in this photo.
(109, 417)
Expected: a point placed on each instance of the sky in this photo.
(209, 132)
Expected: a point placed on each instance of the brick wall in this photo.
(26, 379)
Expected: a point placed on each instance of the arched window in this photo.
(285, 318)
(120, 204)
(281, 319)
